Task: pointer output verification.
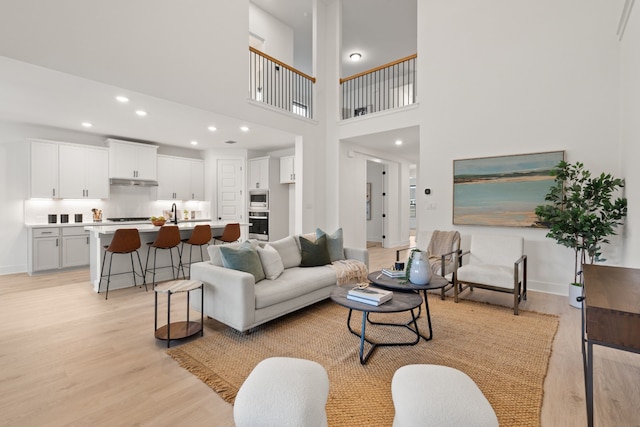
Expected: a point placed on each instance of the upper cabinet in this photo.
(287, 170)
(258, 173)
(180, 178)
(84, 172)
(70, 171)
(44, 169)
(131, 160)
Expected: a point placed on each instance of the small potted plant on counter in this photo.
(583, 212)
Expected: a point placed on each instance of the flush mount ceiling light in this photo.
(194, 142)
(355, 56)
(398, 142)
(244, 128)
(212, 128)
(141, 113)
(122, 99)
(87, 124)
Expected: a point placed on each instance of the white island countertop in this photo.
(147, 227)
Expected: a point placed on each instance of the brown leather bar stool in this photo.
(168, 238)
(125, 241)
(231, 233)
(200, 236)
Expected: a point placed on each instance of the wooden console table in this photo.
(611, 316)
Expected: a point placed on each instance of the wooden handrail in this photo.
(373, 70)
(282, 64)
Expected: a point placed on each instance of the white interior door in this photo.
(230, 194)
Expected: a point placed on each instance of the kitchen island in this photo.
(100, 235)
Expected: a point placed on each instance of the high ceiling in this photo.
(382, 30)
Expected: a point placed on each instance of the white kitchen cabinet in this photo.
(180, 178)
(84, 172)
(197, 179)
(258, 173)
(287, 170)
(130, 160)
(75, 247)
(43, 169)
(45, 249)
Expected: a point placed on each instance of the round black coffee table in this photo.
(383, 281)
(400, 302)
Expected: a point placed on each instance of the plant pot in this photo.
(575, 291)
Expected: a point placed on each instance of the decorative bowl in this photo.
(158, 222)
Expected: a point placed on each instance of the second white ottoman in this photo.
(433, 395)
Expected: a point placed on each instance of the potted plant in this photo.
(583, 212)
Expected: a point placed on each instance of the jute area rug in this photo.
(506, 355)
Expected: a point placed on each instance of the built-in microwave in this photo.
(259, 199)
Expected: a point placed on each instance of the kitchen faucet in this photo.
(174, 213)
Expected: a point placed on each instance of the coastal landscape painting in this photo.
(502, 190)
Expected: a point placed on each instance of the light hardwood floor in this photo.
(68, 357)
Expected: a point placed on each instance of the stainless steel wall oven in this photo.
(259, 228)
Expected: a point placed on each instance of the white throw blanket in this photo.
(349, 271)
(441, 243)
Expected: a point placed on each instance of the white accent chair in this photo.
(438, 396)
(283, 392)
(495, 262)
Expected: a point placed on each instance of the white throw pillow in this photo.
(271, 261)
(288, 250)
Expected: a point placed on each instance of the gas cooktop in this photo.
(132, 218)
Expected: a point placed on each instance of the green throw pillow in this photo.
(335, 244)
(314, 253)
(244, 258)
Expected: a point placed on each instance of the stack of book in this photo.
(393, 273)
(371, 296)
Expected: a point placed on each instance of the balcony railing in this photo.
(280, 85)
(382, 88)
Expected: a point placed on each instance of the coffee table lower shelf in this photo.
(399, 303)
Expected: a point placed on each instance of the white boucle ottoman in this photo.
(432, 395)
(282, 392)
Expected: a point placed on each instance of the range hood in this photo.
(133, 182)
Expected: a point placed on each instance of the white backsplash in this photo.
(123, 202)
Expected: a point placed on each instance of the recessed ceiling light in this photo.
(141, 113)
(87, 124)
(194, 142)
(398, 142)
(355, 56)
(244, 128)
(230, 142)
(212, 128)
(122, 99)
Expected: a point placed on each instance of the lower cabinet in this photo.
(75, 247)
(45, 249)
(52, 248)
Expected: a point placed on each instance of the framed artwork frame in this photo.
(502, 190)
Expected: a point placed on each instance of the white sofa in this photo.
(234, 298)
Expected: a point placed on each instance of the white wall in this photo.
(501, 77)
(630, 134)
(277, 36)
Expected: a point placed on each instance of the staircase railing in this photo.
(382, 88)
(280, 85)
